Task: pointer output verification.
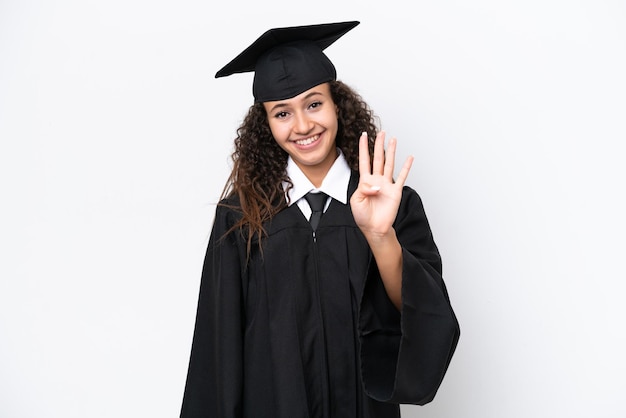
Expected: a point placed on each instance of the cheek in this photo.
(280, 140)
(279, 131)
(332, 118)
(280, 144)
(333, 124)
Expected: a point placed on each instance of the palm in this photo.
(377, 198)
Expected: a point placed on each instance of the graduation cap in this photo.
(287, 61)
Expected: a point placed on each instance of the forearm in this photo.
(387, 252)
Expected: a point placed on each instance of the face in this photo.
(305, 126)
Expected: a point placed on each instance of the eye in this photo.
(281, 115)
(315, 105)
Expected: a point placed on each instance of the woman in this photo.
(337, 311)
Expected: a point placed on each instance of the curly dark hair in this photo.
(255, 185)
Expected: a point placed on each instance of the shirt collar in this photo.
(335, 184)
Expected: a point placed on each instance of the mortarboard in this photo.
(287, 61)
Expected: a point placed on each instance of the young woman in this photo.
(336, 311)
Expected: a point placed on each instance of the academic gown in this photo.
(305, 327)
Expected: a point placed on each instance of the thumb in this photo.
(364, 191)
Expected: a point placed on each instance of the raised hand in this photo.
(377, 198)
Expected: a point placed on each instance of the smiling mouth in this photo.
(307, 141)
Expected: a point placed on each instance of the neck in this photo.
(317, 173)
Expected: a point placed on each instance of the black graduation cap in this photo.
(287, 61)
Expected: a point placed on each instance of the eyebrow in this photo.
(284, 104)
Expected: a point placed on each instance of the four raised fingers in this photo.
(384, 161)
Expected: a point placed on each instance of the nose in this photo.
(302, 124)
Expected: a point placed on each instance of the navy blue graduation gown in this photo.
(305, 329)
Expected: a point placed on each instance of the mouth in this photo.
(307, 141)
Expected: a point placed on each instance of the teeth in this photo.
(308, 141)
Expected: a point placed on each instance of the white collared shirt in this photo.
(335, 184)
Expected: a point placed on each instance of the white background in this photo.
(114, 147)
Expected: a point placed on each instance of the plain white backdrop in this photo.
(114, 148)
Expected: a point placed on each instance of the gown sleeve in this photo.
(405, 354)
(214, 377)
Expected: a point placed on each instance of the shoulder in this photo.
(410, 196)
(411, 200)
(230, 201)
(228, 211)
